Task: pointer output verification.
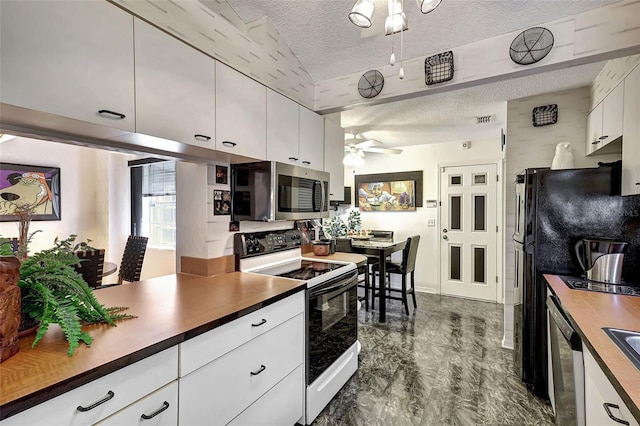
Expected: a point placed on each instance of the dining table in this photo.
(109, 268)
(381, 249)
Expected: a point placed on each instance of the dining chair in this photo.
(132, 258)
(407, 266)
(91, 265)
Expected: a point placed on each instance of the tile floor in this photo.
(442, 366)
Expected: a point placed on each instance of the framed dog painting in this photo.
(29, 187)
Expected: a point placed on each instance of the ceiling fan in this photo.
(354, 151)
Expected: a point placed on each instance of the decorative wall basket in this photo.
(438, 68)
(545, 115)
(531, 45)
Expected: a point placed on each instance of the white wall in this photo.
(95, 193)
(427, 158)
(78, 195)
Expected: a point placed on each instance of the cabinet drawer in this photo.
(196, 352)
(598, 392)
(127, 385)
(160, 409)
(224, 388)
(282, 405)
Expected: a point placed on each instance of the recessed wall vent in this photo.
(483, 119)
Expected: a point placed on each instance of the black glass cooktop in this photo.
(301, 269)
(582, 284)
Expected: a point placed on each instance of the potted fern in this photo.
(54, 293)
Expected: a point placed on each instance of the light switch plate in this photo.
(431, 222)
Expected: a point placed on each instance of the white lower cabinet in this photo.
(282, 405)
(225, 387)
(157, 409)
(102, 397)
(602, 402)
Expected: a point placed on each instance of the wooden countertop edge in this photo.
(588, 314)
(47, 392)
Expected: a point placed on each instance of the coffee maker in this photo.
(601, 259)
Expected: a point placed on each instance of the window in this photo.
(153, 201)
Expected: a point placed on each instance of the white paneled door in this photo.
(469, 233)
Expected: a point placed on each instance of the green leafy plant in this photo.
(334, 228)
(54, 293)
(354, 221)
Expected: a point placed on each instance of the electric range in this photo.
(331, 350)
(630, 289)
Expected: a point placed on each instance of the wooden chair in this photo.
(132, 258)
(91, 265)
(407, 266)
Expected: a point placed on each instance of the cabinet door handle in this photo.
(606, 406)
(165, 405)
(111, 114)
(202, 137)
(596, 142)
(264, 321)
(262, 368)
(603, 137)
(306, 162)
(638, 183)
(229, 144)
(293, 159)
(109, 395)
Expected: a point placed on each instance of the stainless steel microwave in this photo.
(268, 190)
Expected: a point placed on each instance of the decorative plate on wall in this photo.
(438, 68)
(531, 45)
(370, 84)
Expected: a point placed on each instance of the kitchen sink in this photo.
(628, 342)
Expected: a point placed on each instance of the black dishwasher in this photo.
(567, 367)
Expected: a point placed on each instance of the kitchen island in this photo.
(589, 312)
(170, 310)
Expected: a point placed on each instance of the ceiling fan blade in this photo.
(368, 143)
(383, 150)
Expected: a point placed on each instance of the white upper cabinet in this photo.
(631, 138)
(594, 129)
(282, 129)
(241, 114)
(175, 88)
(612, 114)
(311, 139)
(71, 58)
(333, 155)
(604, 123)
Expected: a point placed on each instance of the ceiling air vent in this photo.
(483, 119)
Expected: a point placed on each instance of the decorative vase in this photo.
(10, 304)
(563, 158)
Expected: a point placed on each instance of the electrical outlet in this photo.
(431, 222)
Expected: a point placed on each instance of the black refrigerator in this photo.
(555, 209)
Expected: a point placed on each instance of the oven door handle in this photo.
(331, 286)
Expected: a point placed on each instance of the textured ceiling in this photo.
(328, 45)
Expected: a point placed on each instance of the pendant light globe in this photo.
(427, 6)
(362, 13)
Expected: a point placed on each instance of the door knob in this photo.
(444, 230)
(444, 237)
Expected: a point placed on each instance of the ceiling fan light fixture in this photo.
(362, 13)
(427, 6)
(354, 159)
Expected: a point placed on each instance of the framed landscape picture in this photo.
(35, 187)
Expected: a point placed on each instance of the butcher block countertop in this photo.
(589, 312)
(170, 310)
